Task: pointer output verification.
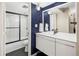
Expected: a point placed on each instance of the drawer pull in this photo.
(65, 44)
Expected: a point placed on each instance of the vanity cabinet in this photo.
(45, 44)
(65, 48)
(60, 44)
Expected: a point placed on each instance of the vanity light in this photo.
(38, 7)
(49, 12)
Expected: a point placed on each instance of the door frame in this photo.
(29, 30)
(2, 29)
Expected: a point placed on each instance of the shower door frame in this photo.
(3, 33)
(18, 27)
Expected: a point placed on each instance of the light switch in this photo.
(36, 25)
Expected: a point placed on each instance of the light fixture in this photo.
(49, 12)
(38, 7)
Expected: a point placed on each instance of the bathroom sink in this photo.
(49, 33)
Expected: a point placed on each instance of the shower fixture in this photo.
(24, 6)
(38, 7)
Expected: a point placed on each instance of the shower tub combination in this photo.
(16, 26)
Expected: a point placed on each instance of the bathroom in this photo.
(40, 28)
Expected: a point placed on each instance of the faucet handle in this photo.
(55, 30)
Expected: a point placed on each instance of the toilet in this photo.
(25, 42)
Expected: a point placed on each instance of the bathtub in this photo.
(17, 45)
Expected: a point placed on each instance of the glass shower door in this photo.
(23, 27)
(12, 27)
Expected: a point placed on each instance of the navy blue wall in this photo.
(36, 19)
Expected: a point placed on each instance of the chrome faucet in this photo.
(55, 30)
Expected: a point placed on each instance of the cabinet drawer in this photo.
(45, 45)
(46, 37)
(64, 48)
(68, 43)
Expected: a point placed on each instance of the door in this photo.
(24, 27)
(12, 27)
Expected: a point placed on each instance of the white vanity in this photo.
(59, 44)
(63, 20)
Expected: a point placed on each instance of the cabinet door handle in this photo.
(69, 45)
(65, 44)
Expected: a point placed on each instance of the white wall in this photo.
(17, 7)
(77, 29)
(2, 29)
(62, 22)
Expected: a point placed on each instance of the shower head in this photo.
(24, 6)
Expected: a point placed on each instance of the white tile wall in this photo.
(17, 7)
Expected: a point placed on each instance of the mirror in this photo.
(61, 18)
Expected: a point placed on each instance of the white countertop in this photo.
(60, 35)
(66, 36)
